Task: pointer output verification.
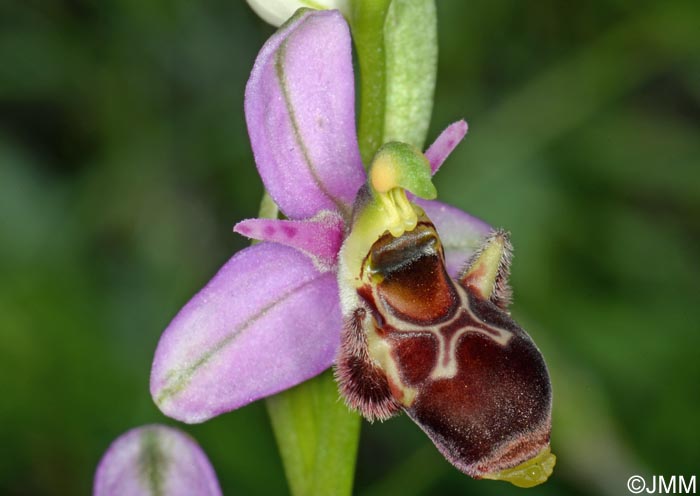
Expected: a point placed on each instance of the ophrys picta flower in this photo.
(272, 316)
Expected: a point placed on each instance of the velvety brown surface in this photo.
(487, 405)
(499, 395)
(415, 283)
(363, 385)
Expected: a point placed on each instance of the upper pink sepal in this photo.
(300, 111)
(268, 320)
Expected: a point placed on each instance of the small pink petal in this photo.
(267, 321)
(445, 143)
(300, 111)
(320, 237)
(461, 233)
(153, 460)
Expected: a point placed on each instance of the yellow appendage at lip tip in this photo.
(530, 473)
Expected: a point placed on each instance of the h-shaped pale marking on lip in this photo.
(446, 366)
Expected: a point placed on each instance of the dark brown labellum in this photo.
(448, 353)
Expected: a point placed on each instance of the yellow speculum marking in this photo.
(530, 473)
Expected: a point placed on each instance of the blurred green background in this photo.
(124, 163)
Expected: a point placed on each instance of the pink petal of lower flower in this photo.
(320, 237)
(445, 143)
(267, 321)
(153, 460)
(461, 233)
(300, 111)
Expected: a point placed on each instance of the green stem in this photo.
(396, 50)
(268, 207)
(316, 434)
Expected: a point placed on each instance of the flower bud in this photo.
(153, 460)
(276, 12)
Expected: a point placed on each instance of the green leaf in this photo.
(317, 436)
(410, 47)
(396, 43)
(367, 24)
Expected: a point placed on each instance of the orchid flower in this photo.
(287, 308)
(270, 318)
(153, 460)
